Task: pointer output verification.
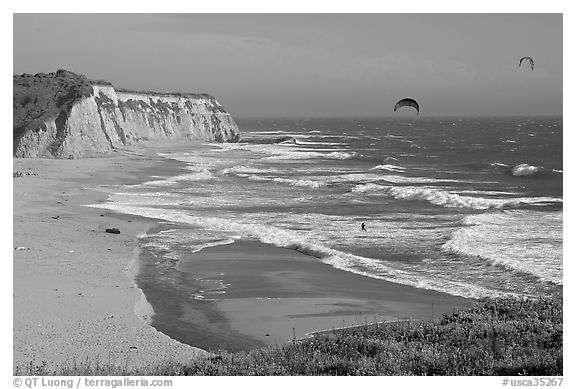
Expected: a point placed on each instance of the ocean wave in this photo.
(290, 181)
(340, 155)
(307, 143)
(206, 245)
(499, 165)
(147, 199)
(202, 175)
(316, 181)
(350, 177)
(369, 267)
(520, 170)
(397, 179)
(499, 238)
(448, 199)
(301, 155)
(524, 170)
(285, 152)
(165, 244)
(485, 192)
(243, 169)
(366, 188)
(390, 168)
(269, 140)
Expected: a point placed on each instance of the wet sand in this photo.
(254, 291)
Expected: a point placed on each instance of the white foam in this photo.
(348, 177)
(370, 267)
(396, 179)
(317, 181)
(306, 143)
(301, 155)
(485, 192)
(202, 175)
(286, 152)
(380, 271)
(448, 199)
(390, 168)
(524, 170)
(212, 244)
(146, 199)
(289, 181)
(508, 239)
(243, 169)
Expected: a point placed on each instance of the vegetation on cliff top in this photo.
(495, 337)
(160, 94)
(40, 96)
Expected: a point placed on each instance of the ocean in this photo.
(469, 207)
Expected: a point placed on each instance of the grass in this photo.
(495, 337)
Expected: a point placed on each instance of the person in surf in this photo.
(363, 227)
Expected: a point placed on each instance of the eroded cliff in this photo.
(66, 115)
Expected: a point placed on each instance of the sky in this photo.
(311, 65)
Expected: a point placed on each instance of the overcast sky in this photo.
(320, 65)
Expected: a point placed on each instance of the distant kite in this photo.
(529, 60)
(407, 102)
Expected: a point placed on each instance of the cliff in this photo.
(65, 115)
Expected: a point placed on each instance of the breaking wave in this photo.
(203, 174)
(289, 181)
(494, 237)
(524, 170)
(369, 267)
(390, 168)
(243, 169)
(448, 199)
(280, 152)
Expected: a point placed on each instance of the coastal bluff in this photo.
(67, 115)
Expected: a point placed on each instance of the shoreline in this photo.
(249, 294)
(155, 346)
(75, 298)
(142, 308)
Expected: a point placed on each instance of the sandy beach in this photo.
(74, 295)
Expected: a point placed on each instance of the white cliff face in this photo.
(80, 135)
(35, 144)
(108, 119)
